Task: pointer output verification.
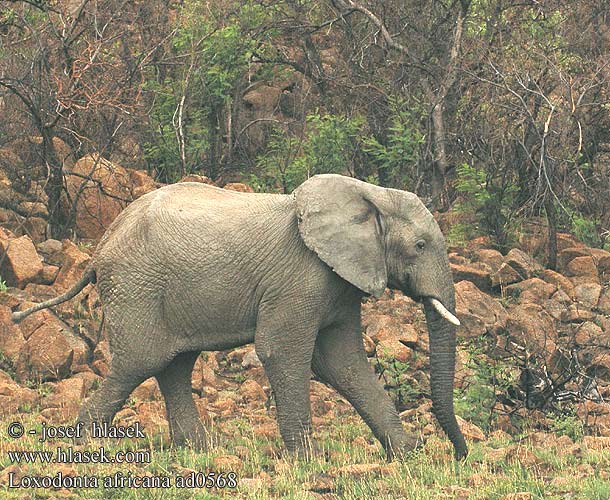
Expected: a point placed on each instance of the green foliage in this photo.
(6, 365)
(461, 233)
(472, 182)
(328, 146)
(586, 229)
(189, 104)
(337, 144)
(568, 424)
(394, 374)
(400, 148)
(477, 398)
(489, 199)
(3, 287)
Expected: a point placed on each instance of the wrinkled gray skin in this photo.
(191, 267)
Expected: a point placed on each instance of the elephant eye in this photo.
(420, 245)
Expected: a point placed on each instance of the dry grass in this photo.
(354, 467)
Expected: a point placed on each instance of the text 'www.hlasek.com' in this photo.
(65, 454)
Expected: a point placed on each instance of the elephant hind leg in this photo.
(102, 406)
(185, 425)
(133, 361)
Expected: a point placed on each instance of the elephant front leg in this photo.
(340, 360)
(286, 356)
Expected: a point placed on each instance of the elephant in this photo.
(191, 267)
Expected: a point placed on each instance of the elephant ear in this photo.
(340, 221)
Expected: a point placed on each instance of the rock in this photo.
(14, 398)
(141, 183)
(587, 294)
(591, 334)
(39, 293)
(48, 274)
(236, 356)
(470, 430)
(8, 386)
(599, 366)
(479, 274)
(11, 338)
(90, 381)
(102, 189)
(102, 352)
(565, 256)
(523, 456)
(238, 186)
(47, 355)
(51, 350)
(521, 262)
(33, 209)
(522, 495)
(576, 314)
(263, 98)
(49, 247)
(478, 243)
(34, 227)
(583, 268)
(559, 280)
(456, 258)
(74, 264)
(147, 391)
(78, 346)
(478, 312)
(603, 265)
(603, 305)
(69, 392)
(529, 325)
(251, 360)
(566, 240)
(369, 344)
(20, 264)
(203, 376)
(492, 258)
(393, 349)
(321, 399)
(505, 275)
(456, 492)
(557, 305)
(100, 367)
(388, 328)
(252, 392)
(531, 290)
(226, 463)
(197, 178)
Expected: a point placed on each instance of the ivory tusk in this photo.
(442, 310)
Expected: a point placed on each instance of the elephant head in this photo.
(375, 237)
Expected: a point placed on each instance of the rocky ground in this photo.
(533, 373)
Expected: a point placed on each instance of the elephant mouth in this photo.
(434, 302)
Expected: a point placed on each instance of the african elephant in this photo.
(190, 267)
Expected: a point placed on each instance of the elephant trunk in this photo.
(442, 369)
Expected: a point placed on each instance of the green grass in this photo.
(550, 472)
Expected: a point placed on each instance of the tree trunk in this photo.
(53, 188)
(551, 217)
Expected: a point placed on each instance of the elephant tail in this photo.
(88, 277)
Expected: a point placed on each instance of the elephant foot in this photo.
(195, 438)
(408, 446)
(84, 436)
(307, 450)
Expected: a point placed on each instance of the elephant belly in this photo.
(219, 319)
